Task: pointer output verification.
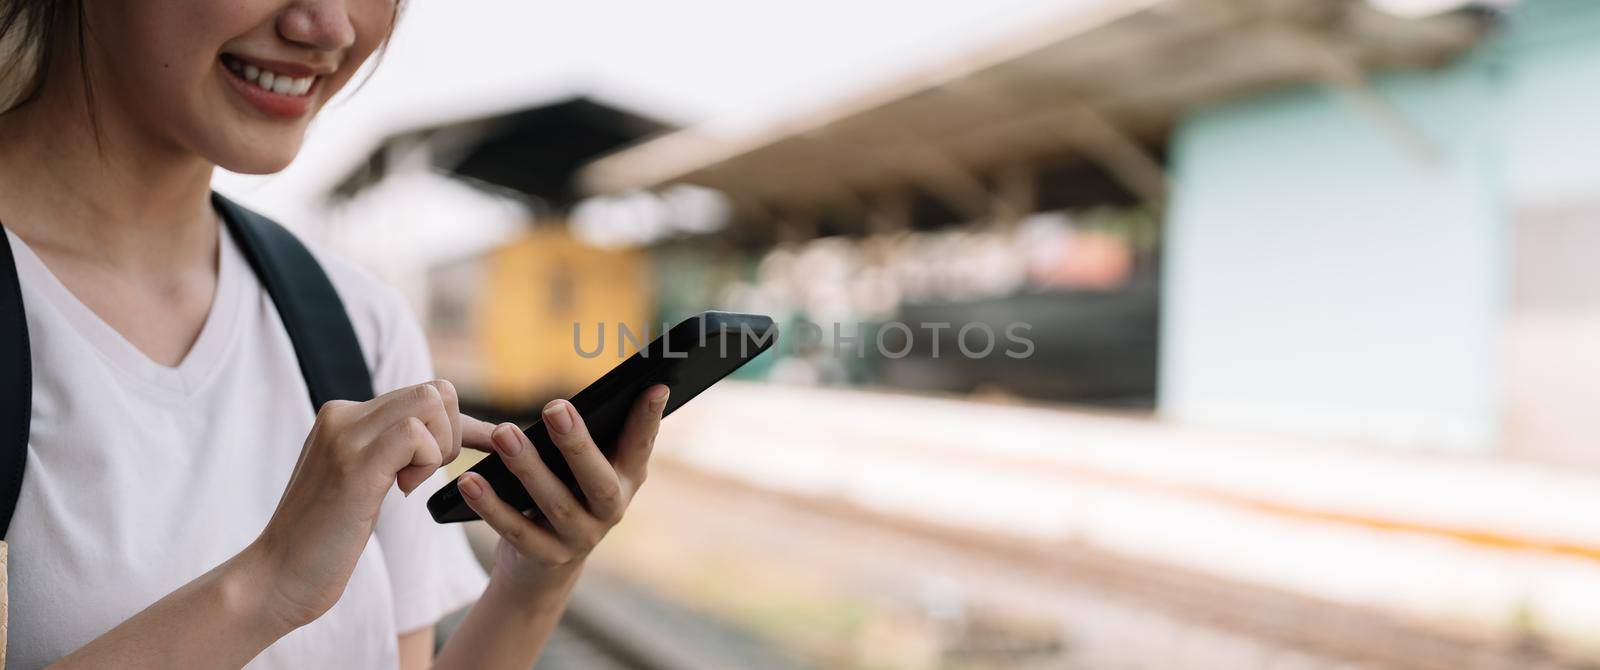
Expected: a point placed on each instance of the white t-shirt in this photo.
(142, 477)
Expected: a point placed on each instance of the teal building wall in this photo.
(1326, 277)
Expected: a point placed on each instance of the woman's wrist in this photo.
(513, 618)
(537, 593)
(248, 589)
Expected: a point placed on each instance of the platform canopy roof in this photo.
(532, 152)
(1103, 85)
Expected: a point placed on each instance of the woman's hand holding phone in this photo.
(535, 555)
(537, 562)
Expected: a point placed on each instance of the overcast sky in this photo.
(680, 60)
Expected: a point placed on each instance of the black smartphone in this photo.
(688, 358)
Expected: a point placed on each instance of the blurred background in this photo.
(1311, 290)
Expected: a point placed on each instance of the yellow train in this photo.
(501, 324)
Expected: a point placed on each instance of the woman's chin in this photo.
(258, 160)
(249, 148)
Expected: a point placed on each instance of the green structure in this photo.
(1415, 269)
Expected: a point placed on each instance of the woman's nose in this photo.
(323, 25)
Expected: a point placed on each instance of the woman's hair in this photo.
(28, 46)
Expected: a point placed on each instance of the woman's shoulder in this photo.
(371, 303)
(392, 343)
(387, 328)
(366, 297)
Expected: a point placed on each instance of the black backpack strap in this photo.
(16, 386)
(324, 340)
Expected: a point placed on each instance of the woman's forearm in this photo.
(509, 625)
(222, 619)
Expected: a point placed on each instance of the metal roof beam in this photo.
(1116, 152)
(1348, 77)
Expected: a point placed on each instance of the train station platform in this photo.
(1504, 552)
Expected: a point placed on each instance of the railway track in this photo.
(610, 625)
(1103, 611)
(1114, 612)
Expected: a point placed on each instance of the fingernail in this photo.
(556, 416)
(505, 440)
(471, 487)
(660, 400)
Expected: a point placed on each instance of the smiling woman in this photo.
(181, 503)
(187, 84)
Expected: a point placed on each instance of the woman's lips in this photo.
(276, 91)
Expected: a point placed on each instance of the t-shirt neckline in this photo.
(205, 355)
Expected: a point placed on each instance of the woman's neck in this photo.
(108, 193)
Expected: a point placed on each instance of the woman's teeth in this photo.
(271, 81)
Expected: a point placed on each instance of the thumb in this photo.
(475, 434)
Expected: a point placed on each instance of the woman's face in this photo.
(234, 81)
